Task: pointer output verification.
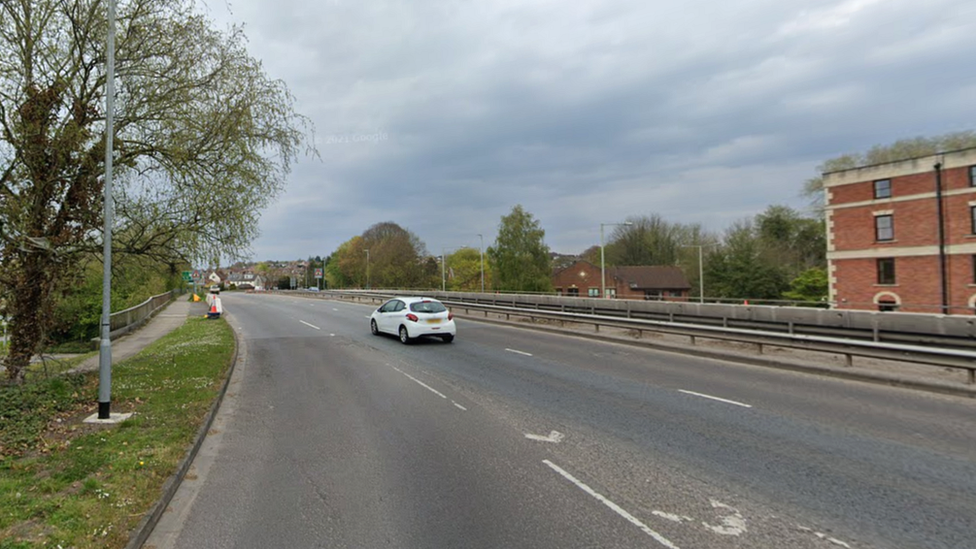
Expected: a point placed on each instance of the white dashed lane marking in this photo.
(727, 401)
(421, 383)
(518, 352)
(310, 325)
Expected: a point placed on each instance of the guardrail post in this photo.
(759, 346)
(628, 309)
(596, 326)
(790, 325)
(848, 360)
(693, 341)
(972, 376)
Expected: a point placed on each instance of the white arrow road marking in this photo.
(331, 335)
(310, 325)
(732, 525)
(715, 398)
(459, 406)
(518, 352)
(673, 518)
(334, 309)
(554, 437)
(616, 508)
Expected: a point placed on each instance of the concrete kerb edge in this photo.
(854, 375)
(141, 533)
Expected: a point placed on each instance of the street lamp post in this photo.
(603, 264)
(105, 345)
(367, 268)
(481, 259)
(701, 273)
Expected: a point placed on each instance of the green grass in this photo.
(69, 484)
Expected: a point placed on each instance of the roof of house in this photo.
(651, 277)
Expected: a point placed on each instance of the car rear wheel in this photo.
(373, 328)
(404, 335)
(447, 338)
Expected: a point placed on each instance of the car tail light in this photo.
(450, 315)
(412, 317)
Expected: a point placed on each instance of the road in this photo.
(332, 437)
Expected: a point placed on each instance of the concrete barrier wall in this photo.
(957, 326)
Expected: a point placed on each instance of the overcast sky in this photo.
(441, 115)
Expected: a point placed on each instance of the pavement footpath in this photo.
(165, 321)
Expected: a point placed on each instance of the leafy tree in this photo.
(395, 255)
(199, 126)
(810, 286)
(648, 240)
(902, 149)
(791, 239)
(520, 258)
(464, 271)
(742, 267)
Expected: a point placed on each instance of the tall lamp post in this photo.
(603, 264)
(481, 259)
(105, 345)
(367, 267)
(701, 273)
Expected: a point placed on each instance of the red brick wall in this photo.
(915, 224)
(582, 275)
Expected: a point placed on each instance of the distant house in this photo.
(245, 280)
(656, 282)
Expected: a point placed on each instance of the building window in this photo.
(652, 294)
(972, 176)
(593, 292)
(886, 270)
(884, 228)
(882, 188)
(972, 220)
(887, 305)
(974, 269)
(572, 292)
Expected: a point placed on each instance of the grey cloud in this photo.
(594, 110)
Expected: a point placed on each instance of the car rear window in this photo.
(428, 307)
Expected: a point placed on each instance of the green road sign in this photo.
(187, 276)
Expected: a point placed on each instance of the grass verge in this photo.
(66, 484)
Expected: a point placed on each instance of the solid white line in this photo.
(334, 309)
(459, 406)
(518, 352)
(310, 325)
(422, 384)
(616, 508)
(715, 398)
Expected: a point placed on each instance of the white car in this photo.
(412, 317)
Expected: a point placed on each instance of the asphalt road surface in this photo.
(332, 437)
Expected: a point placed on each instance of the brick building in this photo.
(902, 236)
(646, 282)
